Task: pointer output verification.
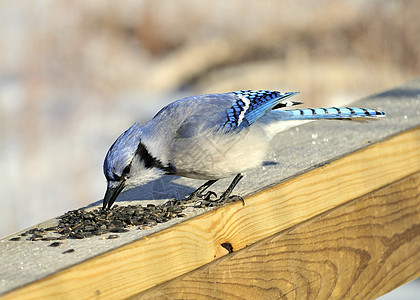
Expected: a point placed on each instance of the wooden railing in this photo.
(337, 217)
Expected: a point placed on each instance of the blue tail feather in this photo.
(329, 113)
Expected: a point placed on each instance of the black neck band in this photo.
(152, 162)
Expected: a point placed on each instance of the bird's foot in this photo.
(194, 197)
(201, 199)
(198, 197)
(224, 198)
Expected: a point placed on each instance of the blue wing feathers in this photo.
(252, 105)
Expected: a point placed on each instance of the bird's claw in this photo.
(217, 202)
(207, 196)
(199, 197)
(235, 198)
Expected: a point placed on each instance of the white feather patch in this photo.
(288, 103)
(242, 114)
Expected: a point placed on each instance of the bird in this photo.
(209, 137)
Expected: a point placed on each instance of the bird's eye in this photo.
(126, 169)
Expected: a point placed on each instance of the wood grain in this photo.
(360, 250)
(170, 253)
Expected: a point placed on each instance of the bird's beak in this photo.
(112, 192)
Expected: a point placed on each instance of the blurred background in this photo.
(76, 74)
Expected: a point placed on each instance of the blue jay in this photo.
(208, 137)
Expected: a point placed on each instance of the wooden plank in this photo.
(172, 252)
(360, 250)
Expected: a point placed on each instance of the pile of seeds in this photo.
(80, 223)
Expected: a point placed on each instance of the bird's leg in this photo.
(198, 195)
(225, 196)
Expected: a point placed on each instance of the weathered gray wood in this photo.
(293, 153)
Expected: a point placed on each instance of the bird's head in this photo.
(118, 163)
(127, 163)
